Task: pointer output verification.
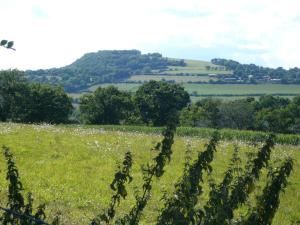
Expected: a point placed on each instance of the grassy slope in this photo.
(197, 67)
(70, 168)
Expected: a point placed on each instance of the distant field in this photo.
(226, 91)
(70, 169)
(176, 78)
(242, 89)
(198, 67)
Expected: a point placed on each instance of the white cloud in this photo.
(50, 33)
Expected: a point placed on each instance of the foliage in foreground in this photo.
(19, 212)
(7, 44)
(183, 207)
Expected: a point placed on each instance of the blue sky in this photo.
(53, 33)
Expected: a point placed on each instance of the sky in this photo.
(54, 33)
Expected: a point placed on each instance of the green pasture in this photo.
(176, 78)
(70, 168)
(238, 89)
(197, 67)
(224, 91)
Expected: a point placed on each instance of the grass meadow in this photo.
(197, 67)
(70, 168)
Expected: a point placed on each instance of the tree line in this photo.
(154, 101)
(151, 105)
(268, 113)
(257, 73)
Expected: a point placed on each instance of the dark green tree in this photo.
(271, 102)
(211, 111)
(106, 106)
(238, 114)
(156, 100)
(24, 102)
(192, 115)
(47, 104)
(277, 120)
(13, 92)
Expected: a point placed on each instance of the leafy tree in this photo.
(277, 120)
(13, 92)
(294, 108)
(271, 102)
(192, 115)
(24, 102)
(47, 104)
(238, 114)
(156, 100)
(211, 110)
(106, 106)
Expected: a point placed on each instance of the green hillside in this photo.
(198, 67)
(119, 66)
(102, 66)
(127, 69)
